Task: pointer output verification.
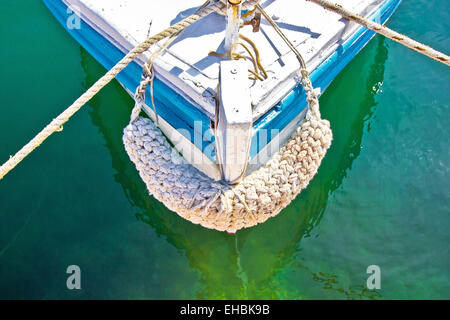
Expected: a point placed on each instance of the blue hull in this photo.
(181, 114)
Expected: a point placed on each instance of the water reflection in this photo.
(247, 265)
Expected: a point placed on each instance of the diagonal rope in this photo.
(58, 122)
(383, 30)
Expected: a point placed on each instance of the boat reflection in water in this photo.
(247, 265)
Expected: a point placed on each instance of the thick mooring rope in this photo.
(381, 29)
(58, 122)
(259, 196)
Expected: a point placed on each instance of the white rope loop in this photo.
(260, 195)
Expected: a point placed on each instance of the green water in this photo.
(381, 195)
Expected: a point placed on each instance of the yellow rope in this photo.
(258, 60)
(248, 13)
(259, 72)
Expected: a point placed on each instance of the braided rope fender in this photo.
(215, 205)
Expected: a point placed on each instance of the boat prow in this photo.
(230, 126)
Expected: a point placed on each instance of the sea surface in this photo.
(381, 196)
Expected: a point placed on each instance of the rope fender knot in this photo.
(260, 195)
(215, 205)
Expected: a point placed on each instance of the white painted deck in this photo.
(188, 69)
